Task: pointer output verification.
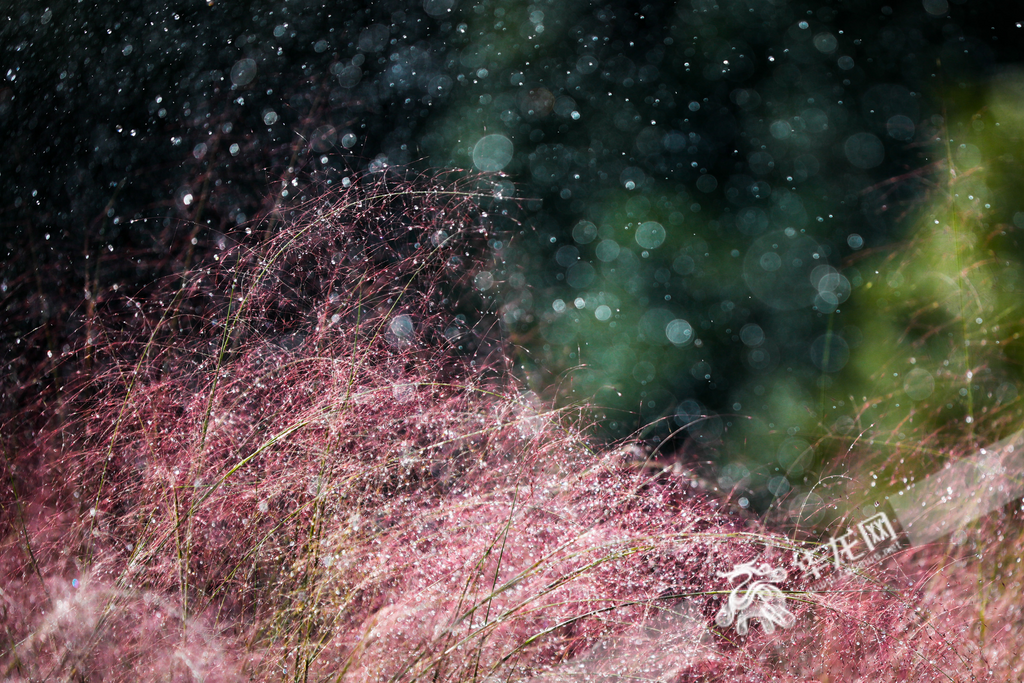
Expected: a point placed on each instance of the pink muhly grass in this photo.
(291, 463)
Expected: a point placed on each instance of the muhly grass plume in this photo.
(295, 462)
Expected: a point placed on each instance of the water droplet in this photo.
(243, 72)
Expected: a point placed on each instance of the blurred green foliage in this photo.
(729, 234)
(941, 315)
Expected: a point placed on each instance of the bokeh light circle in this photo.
(492, 153)
(777, 269)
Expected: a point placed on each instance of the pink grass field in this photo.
(291, 462)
